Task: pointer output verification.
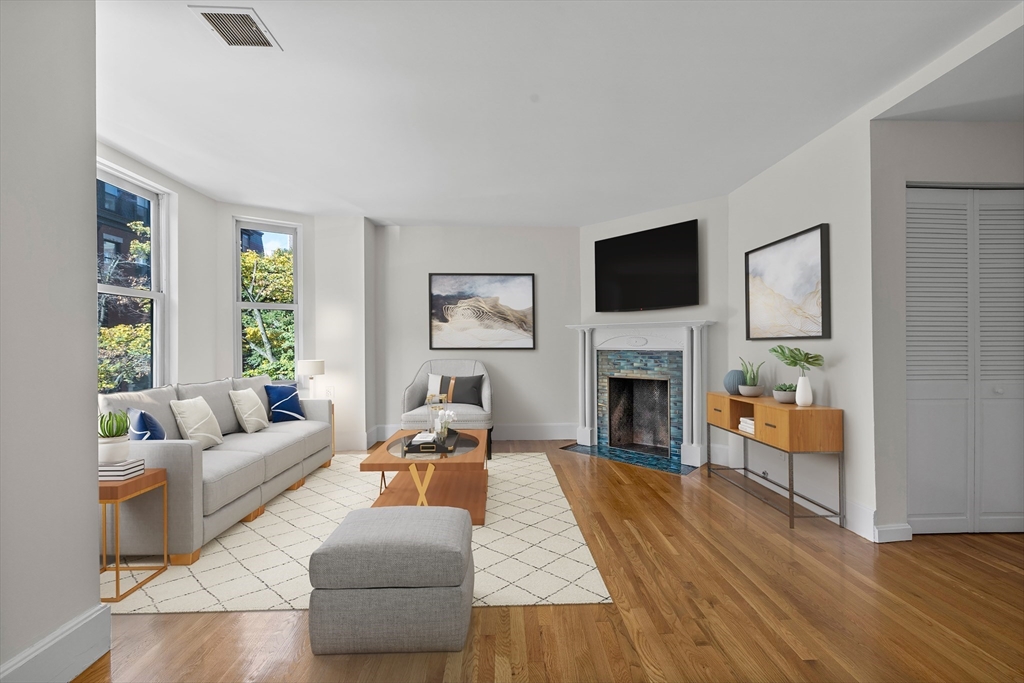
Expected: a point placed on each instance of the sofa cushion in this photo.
(252, 416)
(284, 403)
(317, 435)
(467, 417)
(280, 451)
(216, 395)
(395, 547)
(156, 402)
(144, 427)
(257, 384)
(228, 475)
(197, 421)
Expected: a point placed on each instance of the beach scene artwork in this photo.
(787, 288)
(490, 311)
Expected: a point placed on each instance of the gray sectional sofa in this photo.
(210, 490)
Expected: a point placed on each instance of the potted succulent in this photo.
(785, 393)
(751, 376)
(798, 358)
(113, 437)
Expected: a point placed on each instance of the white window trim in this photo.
(295, 229)
(159, 217)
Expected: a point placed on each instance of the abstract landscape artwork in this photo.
(481, 311)
(788, 288)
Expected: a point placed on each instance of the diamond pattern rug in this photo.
(530, 552)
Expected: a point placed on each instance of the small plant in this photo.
(750, 373)
(785, 387)
(113, 425)
(797, 358)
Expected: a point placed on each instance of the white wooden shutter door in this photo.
(999, 391)
(940, 470)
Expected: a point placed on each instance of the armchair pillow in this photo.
(457, 389)
(196, 421)
(144, 427)
(249, 410)
(284, 403)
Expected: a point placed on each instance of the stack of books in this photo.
(120, 471)
(747, 425)
(422, 437)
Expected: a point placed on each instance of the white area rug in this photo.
(530, 552)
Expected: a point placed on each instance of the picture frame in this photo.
(481, 311)
(788, 287)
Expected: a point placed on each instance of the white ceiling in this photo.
(500, 113)
(987, 87)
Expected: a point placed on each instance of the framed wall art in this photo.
(788, 287)
(481, 311)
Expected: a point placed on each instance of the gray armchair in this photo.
(416, 415)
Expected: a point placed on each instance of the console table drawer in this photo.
(718, 411)
(771, 426)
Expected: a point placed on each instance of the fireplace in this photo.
(638, 414)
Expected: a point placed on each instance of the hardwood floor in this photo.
(709, 584)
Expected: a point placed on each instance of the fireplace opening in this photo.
(638, 415)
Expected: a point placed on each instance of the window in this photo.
(266, 301)
(129, 296)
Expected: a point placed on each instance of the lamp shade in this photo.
(308, 368)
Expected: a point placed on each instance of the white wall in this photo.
(916, 152)
(534, 391)
(341, 334)
(829, 181)
(49, 522)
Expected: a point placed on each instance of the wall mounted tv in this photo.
(655, 268)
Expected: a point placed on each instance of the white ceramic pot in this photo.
(114, 449)
(751, 391)
(784, 396)
(804, 396)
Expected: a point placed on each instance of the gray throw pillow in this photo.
(249, 410)
(196, 421)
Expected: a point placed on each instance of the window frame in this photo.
(266, 225)
(157, 293)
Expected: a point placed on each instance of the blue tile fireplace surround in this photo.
(649, 367)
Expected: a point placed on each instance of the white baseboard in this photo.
(887, 533)
(860, 519)
(65, 653)
(720, 453)
(535, 432)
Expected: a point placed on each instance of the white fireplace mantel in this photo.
(687, 336)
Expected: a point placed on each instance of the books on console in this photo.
(120, 471)
(747, 425)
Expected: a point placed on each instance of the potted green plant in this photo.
(113, 437)
(751, 379)
(785, 393)
(798, 358)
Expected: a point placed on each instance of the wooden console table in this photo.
(786, 427)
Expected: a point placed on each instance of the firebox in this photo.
(638, 414)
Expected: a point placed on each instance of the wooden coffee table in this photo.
(459, 480)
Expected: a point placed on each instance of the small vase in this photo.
(804, 396)
(114, 449)
(751, 391)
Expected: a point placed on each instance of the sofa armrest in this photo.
(416, 393)
(318, 409)
(183, 461)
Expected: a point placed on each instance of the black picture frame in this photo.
(826, 284)
(450, 289)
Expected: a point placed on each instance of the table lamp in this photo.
(309, 368)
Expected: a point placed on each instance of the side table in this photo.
(114, 493)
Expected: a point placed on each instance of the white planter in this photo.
(784, 396)
(114, 449)
(751, 391)
(804, 397)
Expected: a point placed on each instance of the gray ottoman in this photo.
(393, 579)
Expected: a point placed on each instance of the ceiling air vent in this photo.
(237, 26)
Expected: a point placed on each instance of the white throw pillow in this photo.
(433, 384)
(196, 421)
(249, 410)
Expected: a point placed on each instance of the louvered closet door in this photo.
(965, 360)
(999, 391)
(940, 469)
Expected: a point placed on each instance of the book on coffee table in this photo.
(411, 445)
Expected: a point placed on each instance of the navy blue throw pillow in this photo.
(284, 403)
(144, 427)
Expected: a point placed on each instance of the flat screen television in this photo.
(655, 268)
